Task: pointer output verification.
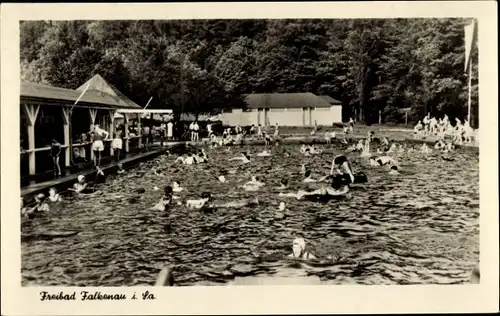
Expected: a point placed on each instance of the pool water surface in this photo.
(419, 227)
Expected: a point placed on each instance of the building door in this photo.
(259, 116)
(266, 117)
(305, 112)
(311, 116)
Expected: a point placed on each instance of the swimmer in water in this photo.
(393, 148)
(264, 153)
(200, 203)
(237, 204)
(253, 185)
(176, 187)
(81, 185)
(165, 200)
(308, 178)
(360, 145)
(314, 150)
(338, 188)
(303, 149)
(425, 149)
(384, 142)
(40, 207)
(299, 250)
(243, 158)
(120, 169)
(384, 161)
(394, 170)
(283, 184)
(54, 196)
(439, 144)
(222, 178)
(341, 165)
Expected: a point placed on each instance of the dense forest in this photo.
(198, 66)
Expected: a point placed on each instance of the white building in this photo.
(286, 109)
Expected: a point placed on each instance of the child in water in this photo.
(299, 250)
(40, 207)
(165, 200)
(54, 196)
(120, 169)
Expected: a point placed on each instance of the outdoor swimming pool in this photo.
(420, 227)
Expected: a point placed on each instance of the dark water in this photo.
(420, 227)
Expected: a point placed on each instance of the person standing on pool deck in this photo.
(55, 151)
(117, 143)
(351, 125)
(146, 134)
(98, 145)
(170, 130)
(196, 129)
(340, 162)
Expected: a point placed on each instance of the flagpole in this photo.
(470, 93)
(70, 114)
(148, 102)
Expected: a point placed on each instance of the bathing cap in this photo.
(81, 177)
(300, 242)
(205, 195)
(40, 196)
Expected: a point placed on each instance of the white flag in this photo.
(470, 41)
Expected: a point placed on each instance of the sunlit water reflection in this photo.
(420, 227)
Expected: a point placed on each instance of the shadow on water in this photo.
(420, 227)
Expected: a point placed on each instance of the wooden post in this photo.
(31, 111)
(139, 130)
(66, 122)
(379, 117)
(406, 118)
(93, 115)
(125, 121)
(111, 130)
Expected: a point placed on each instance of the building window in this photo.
(228, 111)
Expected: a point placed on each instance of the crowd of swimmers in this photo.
(336, 184)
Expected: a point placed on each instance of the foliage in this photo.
(200, 66)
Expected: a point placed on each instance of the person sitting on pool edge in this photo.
(341, 165)
(299, 250)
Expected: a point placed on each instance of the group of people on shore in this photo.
(442, 127)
